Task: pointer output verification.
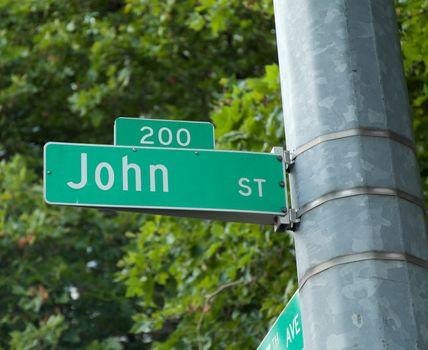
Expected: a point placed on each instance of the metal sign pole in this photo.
(361, 245)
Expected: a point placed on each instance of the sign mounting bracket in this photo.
(288, 221)
(291, 218)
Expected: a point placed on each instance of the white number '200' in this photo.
(165, 137)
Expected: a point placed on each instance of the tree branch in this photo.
(222, 288)
(208, 299)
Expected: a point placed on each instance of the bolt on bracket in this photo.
(288, 221)
(285, 156)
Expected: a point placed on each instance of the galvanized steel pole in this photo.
(361, 246)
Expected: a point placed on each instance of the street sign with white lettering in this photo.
(223, 185)
(287, 332)
(163, 133)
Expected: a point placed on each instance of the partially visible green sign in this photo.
(222, 185)
(287, 332)
(163, 133)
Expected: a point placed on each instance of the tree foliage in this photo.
(69, 67)
(57, 268)
(413, 17)
(82, 278)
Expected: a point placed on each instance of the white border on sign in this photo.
(267, 213)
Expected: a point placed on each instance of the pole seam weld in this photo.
(372, 132)
(358, 191)
(357, 257)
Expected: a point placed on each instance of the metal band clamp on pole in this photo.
(354, 132)
(352, 258)
(371, 132)
(357, 191)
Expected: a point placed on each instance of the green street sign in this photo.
(287, 332)
(221, 185)
(163, 133)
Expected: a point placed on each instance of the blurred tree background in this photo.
(75, 278)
